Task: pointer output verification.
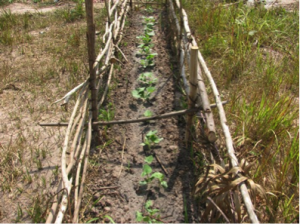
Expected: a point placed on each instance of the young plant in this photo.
(148, 113)
(149, 19)
(146, 39)
(152, 215)
(107, 115)
(151, 138)
(146, 49)
(148, 61)
(149, 176)
(143, 93)
(149, 31)
(147, 78)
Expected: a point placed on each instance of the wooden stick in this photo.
(145, 3)
(91, 53)
(160, 163)
(85, 166)
(54, 206)
(193, 91)
(76, 212)
(64, 204)
(111, 11)
(121, 53)
(107, 6)
(171, 114)
(162, 116)
(107, 85)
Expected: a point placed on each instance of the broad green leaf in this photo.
(143, 182)
(149, 159)
(164, 184)
(158, 140)
(158, 175)
(148, 113)
(135, 94)
(151, 133)
(139, 217)
(151, 89)
(151, 34)
(142, 144)
(148, 204)
(146, 170)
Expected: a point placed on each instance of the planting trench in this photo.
(114, 178)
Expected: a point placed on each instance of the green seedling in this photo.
(148, 61)
(151, 138)
(148, 113)
(146, 47)
(147, 78)
(143, 92)
(149, 32)
(146, 39)
(149, 9)
(149, 19)
(107, 115)
(152, 215)
(149, 176)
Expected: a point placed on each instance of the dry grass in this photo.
(42, 56)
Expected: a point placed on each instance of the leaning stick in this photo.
(123, 10)
(185, 20)
(70, 93)
(78, 135)
(64, 204)
(107, 85)
(113, 8)
(121, 53)
(54, 205)
(65, 145)
(122, 27)
(75, 218)
(84, 168)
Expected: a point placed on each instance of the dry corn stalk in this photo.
(221, 185)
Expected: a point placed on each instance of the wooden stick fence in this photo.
(78, 139)
(189, 40)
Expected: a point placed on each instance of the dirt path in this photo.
(127, 196)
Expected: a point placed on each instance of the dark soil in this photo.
(115, 180)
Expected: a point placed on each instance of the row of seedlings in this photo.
(147, 82)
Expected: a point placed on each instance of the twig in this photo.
(225, 217)
(121, 53)
(160, 163)
(122, 154)
(107, 85)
